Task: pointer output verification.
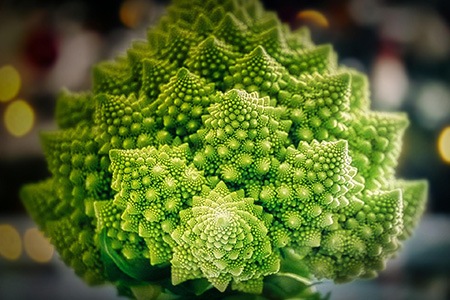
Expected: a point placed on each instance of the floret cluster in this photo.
(225, 154)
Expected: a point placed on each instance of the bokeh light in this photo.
(19, 118)
(313, 16)
(10, 83)
(37, 246)
(10, 242)
(433, 104)
(390, 82)
(444, 144)
(133, 12)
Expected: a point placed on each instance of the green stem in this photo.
(146, 292)
(296, 277)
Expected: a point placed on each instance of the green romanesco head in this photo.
(226, 154)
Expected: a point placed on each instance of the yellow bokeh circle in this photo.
(444, 144)
(19, 118)
(10, 83)
(10, 242)
(37, 246)
(313, 16)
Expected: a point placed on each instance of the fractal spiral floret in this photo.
(226, 155)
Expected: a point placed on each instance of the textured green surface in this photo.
(226, 154)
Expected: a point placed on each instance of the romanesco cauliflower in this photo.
(226, 154)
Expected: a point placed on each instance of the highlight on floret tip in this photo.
(224, 155)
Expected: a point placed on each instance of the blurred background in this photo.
(403, 46)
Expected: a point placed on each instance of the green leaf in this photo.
(118, 268)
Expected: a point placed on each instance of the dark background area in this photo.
(403, 46)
